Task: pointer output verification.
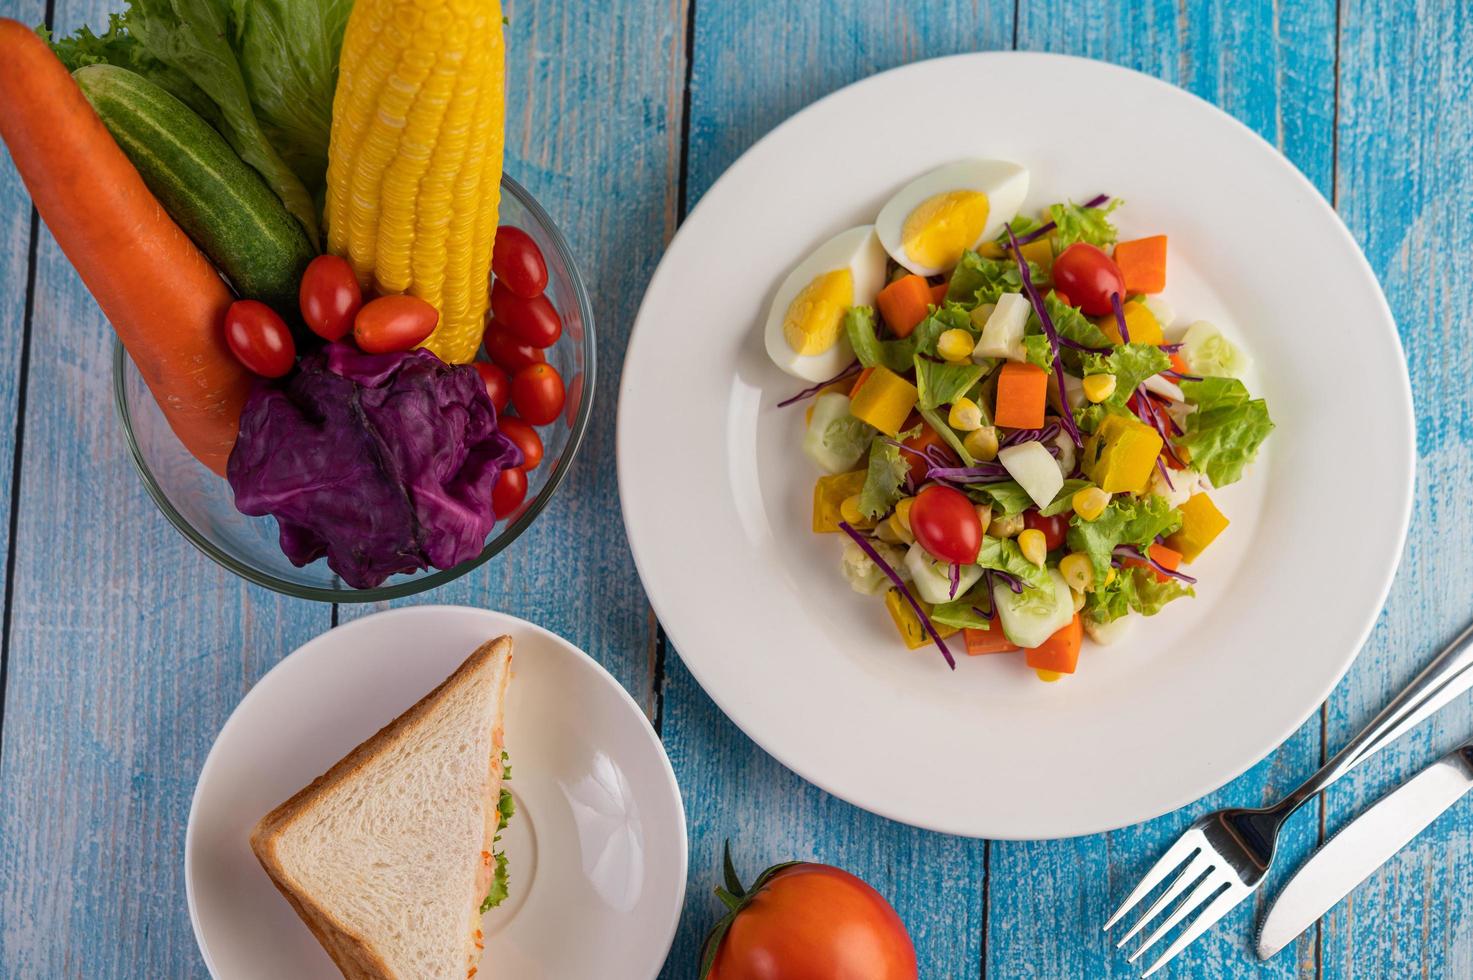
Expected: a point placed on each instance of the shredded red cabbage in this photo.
(956, 579)
(1049, 331)
(981, 473)
(1049, 226)
(1120, 318)
(1030, 435)
(1165, 475)
(1171, 348)
(1014, 583)
(1178, 376)
(874, 556)
(1130, 551)
(849, 371)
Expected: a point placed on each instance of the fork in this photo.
(1223, 856)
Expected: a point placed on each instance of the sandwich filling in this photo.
(505, 807)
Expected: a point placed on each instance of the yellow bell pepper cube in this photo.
(909, 626)
(883, 399)
(1121, 454)
(829, 494)
(991, 250)
(1040, 252)
(1141, 322)
(1201, 523)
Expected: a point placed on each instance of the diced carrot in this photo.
(1179, 363)
(1022, 393)
(859, 381)
(929, 437)
(987, 641)
(1060, 652)
(938, 293)
(1168, 558)
(1143, 264)
(904, 304)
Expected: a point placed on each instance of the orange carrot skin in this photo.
(1060, 652)
(1143, 264)
(904, 304)
(980, 642)
(163, 297)
(1022, 394)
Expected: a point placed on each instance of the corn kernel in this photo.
(964, 415)
(1089, 502)
(982, 443)
(1078, 599)
(955, 345)
(849, 510)
(1033, 545)
(1048, 676)
(1098, 387)
(1005, 527)
(1110, 576)
(1078, 571)
(886, 532)
(984, 516)
(902, 512)
(901, 531)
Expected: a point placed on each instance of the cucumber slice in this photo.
(931, 579)
(1107, 633)
(1030, 464)
(1209, 353)
(1032, 616)
(835, 439)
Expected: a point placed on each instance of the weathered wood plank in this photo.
(593, 123)
(754, 65)
(1405, 154)
(128, 649)
(1273, 68)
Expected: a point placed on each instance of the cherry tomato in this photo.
(537, 392)
(329, 297)
(945, 523)
(518, 262)
(507, 351)
(532, 321)
(1055, 529)
(920, 444)
(394, 323)
(814, 921)
(526, 438)
(498, 384)
(259, 338)
(509, 492)
(1089, 277)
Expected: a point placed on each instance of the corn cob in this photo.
(414, 163)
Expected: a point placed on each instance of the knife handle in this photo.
(1446, 677)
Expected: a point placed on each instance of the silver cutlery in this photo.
(1223, 857)
(1362, 846)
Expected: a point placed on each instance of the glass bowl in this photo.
(201, 505)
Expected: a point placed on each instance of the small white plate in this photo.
(717, 493)
(597, 848)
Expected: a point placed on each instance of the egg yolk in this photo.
(943, 226)
(816, 315)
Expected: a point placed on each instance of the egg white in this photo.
(857, 249)
(1005, 183)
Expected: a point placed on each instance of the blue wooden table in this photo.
(124, 649)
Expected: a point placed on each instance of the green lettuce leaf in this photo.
(506, 808)
(942, 384)
(1225, 431)
(1134, 590)
(1004, 555)
(860, 327)
(1036, 350)
(1131, 364)
(1021, 225)
(117, 47)
(1077, 223)
(1009, 498)
(977, 280)
(961, 611)
(887, 471)
(1070, 322)
(1127, 520)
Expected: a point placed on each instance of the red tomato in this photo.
(498, 384)
(394, 323)
(920, 443)
(945, 523)
(518, 262)
(1055, 529)
(537, 392)
(1089, 276)
(526, 439)
(509, 492)
(507, 351)
(532, 321)
(329, 297)
(259, 338)
(813, 921)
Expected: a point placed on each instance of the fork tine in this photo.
(1186, 846)
(1214, 911)
(1189, 875)
(1204, 888)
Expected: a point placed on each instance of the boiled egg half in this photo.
(805, 328)
(936, 217)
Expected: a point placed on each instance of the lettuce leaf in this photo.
(1127, 520)
(1004, 555)
(882, 482)
(977, 280)
(1131, 364)
(943, 383)
(1077, 223)
(1225, 431)
(1134, 590)
(1070, 322)
(1008, 497)
(506, 808)
(961, 611)
(117, 47)
(1036, 350)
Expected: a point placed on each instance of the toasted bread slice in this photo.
(386, 856)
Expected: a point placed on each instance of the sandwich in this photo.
(390, 857)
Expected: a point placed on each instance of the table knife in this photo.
(1362, 846)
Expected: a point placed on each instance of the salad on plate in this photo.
(1017, 440)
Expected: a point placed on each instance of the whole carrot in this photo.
(161, 294)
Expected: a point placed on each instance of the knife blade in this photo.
(1362, 846)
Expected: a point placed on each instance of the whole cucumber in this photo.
(217, 199)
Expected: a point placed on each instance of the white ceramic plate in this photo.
(717, 494)
(597, 848)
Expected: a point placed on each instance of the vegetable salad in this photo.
(1024, 446)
